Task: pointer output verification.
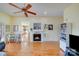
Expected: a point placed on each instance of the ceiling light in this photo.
(45, 12)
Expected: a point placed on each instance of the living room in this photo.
(38, 34)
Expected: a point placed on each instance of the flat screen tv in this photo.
(74, 42)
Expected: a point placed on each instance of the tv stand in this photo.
(71, 52)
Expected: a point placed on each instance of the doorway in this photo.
(25, 34)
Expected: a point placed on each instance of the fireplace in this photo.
(36, 37)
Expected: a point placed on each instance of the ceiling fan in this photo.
(25, 9)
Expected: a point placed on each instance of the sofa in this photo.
(2, 46)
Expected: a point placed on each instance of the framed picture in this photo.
(37, 26)
(50, 27)
(45, 26)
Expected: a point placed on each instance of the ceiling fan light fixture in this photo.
(24, 9)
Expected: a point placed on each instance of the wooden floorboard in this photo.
(33, 49)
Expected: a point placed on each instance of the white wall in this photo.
(71, 15)
(51, 35)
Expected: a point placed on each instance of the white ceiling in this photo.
(42, 9)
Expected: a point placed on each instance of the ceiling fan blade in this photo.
(31, 12)
(15, 5)
(28, 6)
(18, 11)
(26, 14)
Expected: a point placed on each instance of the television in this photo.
(74, 42)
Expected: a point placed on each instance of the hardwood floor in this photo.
(61, 52)
(33, 49)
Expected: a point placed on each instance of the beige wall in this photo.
(71, 15)
(4, 18)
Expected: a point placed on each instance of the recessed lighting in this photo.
(45, 12)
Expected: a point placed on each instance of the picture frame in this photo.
(37, 26)
(45, 26)
(50, 27)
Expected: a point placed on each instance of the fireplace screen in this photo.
(36, 37)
